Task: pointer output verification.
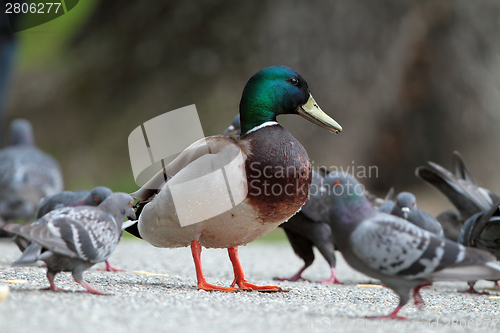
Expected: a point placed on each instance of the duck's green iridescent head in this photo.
(280, 90)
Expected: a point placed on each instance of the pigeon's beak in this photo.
(405, 211)
(131, 214)
(312, 112)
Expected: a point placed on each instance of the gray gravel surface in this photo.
(171, 303)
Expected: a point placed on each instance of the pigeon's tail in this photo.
(21, 242)
(461, 170)
(475, 265)
(29, 256)
(466, 196)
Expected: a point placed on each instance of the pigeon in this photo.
(401, 255)
(460, 189)
(73, 199)
(406, 207)
(482, 231)
(75, 238)
(304, 233)
(70, 199)
(65, 199)
(26, 175)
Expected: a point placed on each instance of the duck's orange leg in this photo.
(202, 283)
(239, 275)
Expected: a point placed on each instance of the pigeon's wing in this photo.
(430, 223)
(396, 247)
(86, 233)
(467, 197)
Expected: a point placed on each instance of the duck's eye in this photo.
(294, 81)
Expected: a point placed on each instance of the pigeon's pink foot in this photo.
(109, 268)
(393, 315)
(333, 278)
(90, 289)
(417, 298)
(50, 277)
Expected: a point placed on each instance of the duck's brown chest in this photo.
(278, 173)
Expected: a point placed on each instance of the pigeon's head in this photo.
(99, 194)
(278, 90)
(21, 132)
(406, 202)
(119, 205)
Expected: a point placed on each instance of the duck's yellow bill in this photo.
(312, 112)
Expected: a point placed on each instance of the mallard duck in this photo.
(226, 191)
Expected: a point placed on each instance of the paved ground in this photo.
(171, 303)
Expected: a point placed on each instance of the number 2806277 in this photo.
(33, 8)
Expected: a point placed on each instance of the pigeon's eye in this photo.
(96, 197)
(337, 183)
(131, 203)
(397, 202)
(294, 81)
(413, 204)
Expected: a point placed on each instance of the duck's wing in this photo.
(203, 147)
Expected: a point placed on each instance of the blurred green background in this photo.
(410, 81)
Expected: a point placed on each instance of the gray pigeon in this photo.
(75, 238)
(401, 255)
(73, 199)
(26, 175)
(406, 207)
(304, 233)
